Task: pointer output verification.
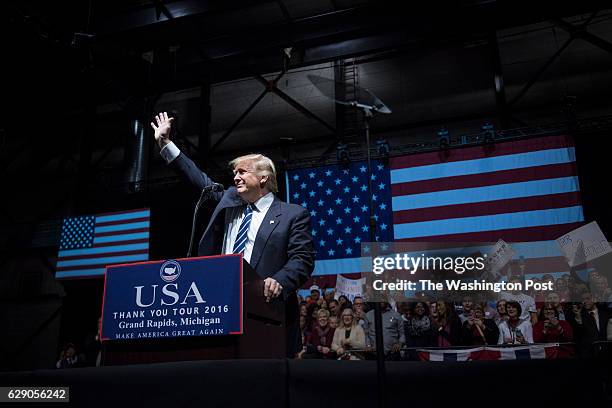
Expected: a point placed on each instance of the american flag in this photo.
(89, 243)
(530, 352)
(519, 191)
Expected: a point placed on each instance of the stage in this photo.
(317, 383)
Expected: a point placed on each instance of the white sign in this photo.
(584, 244)
(349, 287)
(500, 255)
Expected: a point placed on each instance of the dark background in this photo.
(79, 75)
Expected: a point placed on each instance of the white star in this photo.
(321, 222)
(373, 176)
(328, 191)
(311, 175)
(364, 208)
(364, 228)
(376, 217)
(347, 189)
(303, 186)
(330, 231)
(330, 211)
(381, 186)
(313, 213)
(380, 167)
(338, 220)
(347, 210)
(355, 199)
(314, 233)
(383, 226)
(320, 203)
(362, 169)
(366, 249)
(339, 241)
(345, 171)
(319, 183)
(321, 243)
(374, 197)
(354, 179)
(331, 252)
(384, 247)
(337, 181)
(311, 193)
(383, 206)
(349, 251)
(364, 187)
(356, 219)
(328, 173)
(338, 201)
(303, 204)
(296, 177)
(357, 240)
(348, 230)
(296, 195)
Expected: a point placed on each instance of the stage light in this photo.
(444, 138)
(382, 146)
(488, 132)
(342, 154)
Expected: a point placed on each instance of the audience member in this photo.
(447, 326)
(348, 336)
(515, 330)
(318, 343)
(394, 337)
(68, 357)
(477, 330)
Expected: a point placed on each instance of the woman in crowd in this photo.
(418, 329)
(477, 330)
(551, 329)
(446, 326)
(502, 314)
(318, 343)
(514, 330)
(418, 326)
(348, 336)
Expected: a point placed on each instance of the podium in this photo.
(264, 327)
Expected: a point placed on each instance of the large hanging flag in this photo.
(524, 190)
(89, 243)
(519, 191)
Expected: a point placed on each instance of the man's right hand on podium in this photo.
(162, 130)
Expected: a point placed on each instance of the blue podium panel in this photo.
(173, 298)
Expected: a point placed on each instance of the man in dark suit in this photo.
(590, 324)
(274, 237)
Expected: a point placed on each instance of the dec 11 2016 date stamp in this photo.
(34, 394)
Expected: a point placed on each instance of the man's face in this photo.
(587, 301)
(314, 295)
(247, 182)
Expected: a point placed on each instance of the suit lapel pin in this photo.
(271, 221)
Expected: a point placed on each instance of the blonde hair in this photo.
(263, 166)
(322, 313)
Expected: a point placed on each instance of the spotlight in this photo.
(444, 138)
(382, 146)
(342, 154)
(488, 132)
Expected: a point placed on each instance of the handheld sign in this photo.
(584, 244)
(173, 298)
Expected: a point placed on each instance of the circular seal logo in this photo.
(170, 271)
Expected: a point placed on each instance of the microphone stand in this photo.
(204, 195)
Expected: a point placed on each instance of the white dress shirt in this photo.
(233, 215)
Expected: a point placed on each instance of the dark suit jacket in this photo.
(283, 249)
(586, 333)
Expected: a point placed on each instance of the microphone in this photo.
(213, 188)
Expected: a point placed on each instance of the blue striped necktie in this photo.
(243, 232)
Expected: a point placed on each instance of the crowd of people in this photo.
(576, 314)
